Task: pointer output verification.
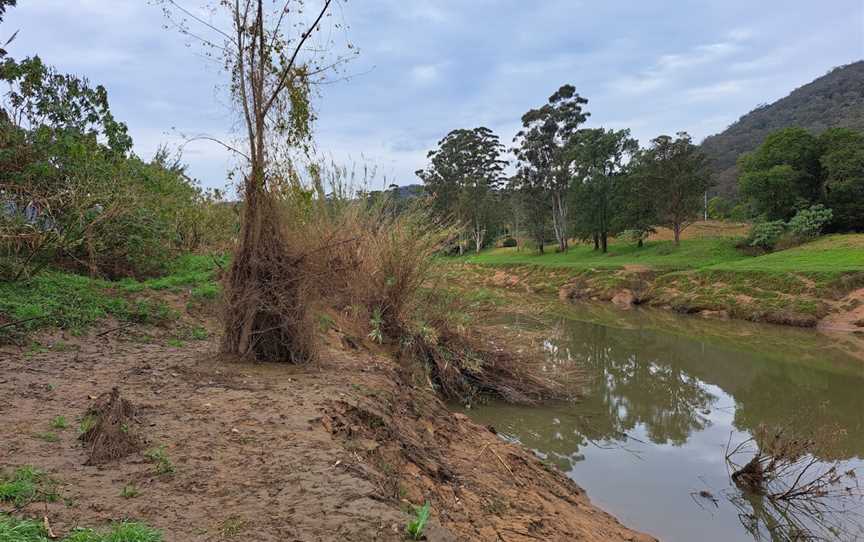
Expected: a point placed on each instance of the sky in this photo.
(429, 66)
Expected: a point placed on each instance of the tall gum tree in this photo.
(543, 145)
(274, 53)
(463, 175)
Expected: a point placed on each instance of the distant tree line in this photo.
(566, 182)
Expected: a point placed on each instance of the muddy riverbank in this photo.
(338, 450)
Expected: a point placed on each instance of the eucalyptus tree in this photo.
(273, 61)
(462, 178)
(599, 158)
(529, 195)
(543, 145)
(678, 174)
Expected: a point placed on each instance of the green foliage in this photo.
(25, 485)
(509, 242)
(21, 530)
(73, 302)
(808, 223)
(599, 158)
(765, 235)
(461, 180)
(782, 174)
(25, 530)
(119, 532)
(129, 491)
(843, 166)
(543, 149)
(719, 208)
(72, 193)
(418, 523)
(832, 100)
(678, 176)
(159, 457)
(59, 422)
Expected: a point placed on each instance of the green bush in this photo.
(509, 242)
(765, 235)
(808, 223)
(719, 208)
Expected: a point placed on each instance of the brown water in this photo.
(667, 394)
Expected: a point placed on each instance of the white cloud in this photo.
(425, 73)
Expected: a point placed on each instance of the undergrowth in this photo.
(26, 530)
(62, 300)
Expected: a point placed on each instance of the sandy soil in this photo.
(334, 451)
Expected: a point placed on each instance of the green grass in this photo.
(56, 299)
(830, 254)
(26, 530)
(25, 485)
(418, 522)
(59, 422)
(656, 254)
(159, 457)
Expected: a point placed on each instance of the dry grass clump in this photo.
(377, 267)
(108, 429)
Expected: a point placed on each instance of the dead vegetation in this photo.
(108, 429)
(788, 493)
(376, 268)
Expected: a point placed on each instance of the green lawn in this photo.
(831, 254)
(692, 253)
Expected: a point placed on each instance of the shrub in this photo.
(509, 242)
(808, 223)
(719, 208)
(765, 235)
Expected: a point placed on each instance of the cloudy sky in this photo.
(428, 66)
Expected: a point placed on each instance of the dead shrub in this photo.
(787, 492)
(267, 299)
(108, 429)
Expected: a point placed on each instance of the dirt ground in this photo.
(338, 450)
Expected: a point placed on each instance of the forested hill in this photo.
(835, 99)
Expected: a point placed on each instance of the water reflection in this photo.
(660, 405)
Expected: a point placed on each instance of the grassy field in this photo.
(831, 254)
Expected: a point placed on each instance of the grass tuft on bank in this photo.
(62, 300)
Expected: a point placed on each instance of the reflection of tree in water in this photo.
(631, 381)
(631, 385)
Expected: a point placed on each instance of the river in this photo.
(665, 397)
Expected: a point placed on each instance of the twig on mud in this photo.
(19, 322)
(113, 329)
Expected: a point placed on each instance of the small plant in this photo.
(59, 422)
(417, 524)
(48, 436)
(377, 321)
(26, 485)
(119, 532)
(160, 458)
(129, 491)
(87, 423)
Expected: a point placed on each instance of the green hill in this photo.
(835, 99)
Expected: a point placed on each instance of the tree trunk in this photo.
(676, 230)
(559, 220)
(640, 243)
(596, 241)
(604, 240)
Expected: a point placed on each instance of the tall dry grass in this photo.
(375, 263)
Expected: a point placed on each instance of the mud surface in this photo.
(335, 451)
